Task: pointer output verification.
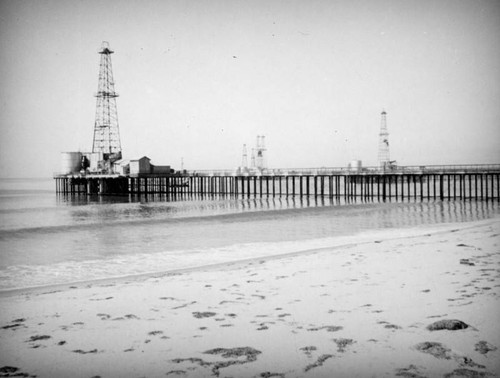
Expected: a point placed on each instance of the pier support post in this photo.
(441, 185)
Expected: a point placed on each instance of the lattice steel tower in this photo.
(383, 144)
(244, 160)
(106, 132)
(260, 160)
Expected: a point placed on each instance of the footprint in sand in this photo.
(259, 296)
(206, 314)
(308, 350)
(154, 333)
(440, 351)
(225, 302)
(13, 326)
(79, 351)
(38, 338)
(168, 299)
(319, 362)
(16, 323)
(176, 372)
(484, 347)
(327, 328)
(100, 299)
(128, 316)
(12, 371)
(184, 305)
(342, 344)
(410, 371)
(388, 325)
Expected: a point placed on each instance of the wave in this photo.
(25, 276)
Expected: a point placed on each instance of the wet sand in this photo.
(420, 302)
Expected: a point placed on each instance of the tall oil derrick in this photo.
(383, 144)
(106, 132)
(244, 160)
(260, 158)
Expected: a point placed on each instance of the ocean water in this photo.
(48, 239)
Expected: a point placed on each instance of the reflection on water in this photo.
(73, 213)
(408, 211)
(46, 210)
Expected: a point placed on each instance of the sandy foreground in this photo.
(362, 309)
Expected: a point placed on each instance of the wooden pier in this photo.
(451, 182)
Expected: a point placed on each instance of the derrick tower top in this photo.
(106, 131)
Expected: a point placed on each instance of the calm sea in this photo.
(48, 239)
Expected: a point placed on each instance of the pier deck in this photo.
(438, 182)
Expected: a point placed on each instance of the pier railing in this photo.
(415, 169)
(326, 171)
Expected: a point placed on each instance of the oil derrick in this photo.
(383, 144)
(244, 160)
(260, 157)
(106, 132)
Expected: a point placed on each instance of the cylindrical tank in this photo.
(71, 162)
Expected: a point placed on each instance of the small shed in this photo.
(140, 166)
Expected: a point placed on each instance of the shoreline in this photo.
(359, 309)
(348, 241)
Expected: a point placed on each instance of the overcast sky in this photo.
(198, 79)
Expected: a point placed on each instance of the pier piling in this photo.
(383, 186)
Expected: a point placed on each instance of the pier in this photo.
(424, 182)
(105, 172)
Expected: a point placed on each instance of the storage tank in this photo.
(71, 162)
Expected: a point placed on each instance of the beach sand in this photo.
(363, 309)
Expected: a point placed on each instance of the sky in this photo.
(197, 79)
